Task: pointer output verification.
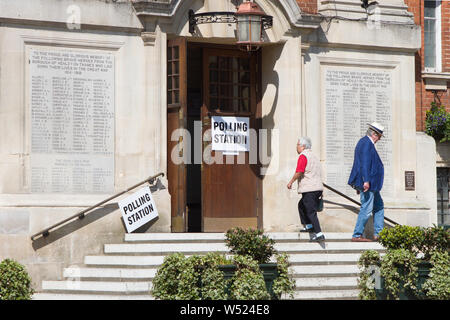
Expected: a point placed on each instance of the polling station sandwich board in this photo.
(138, 209)
(230, 134)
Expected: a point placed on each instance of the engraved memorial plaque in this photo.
(410, 184)
(352, 98)
(72, 120)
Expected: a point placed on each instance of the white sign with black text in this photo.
(138, 209)
(230, 134)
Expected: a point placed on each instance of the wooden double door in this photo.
(212, 191)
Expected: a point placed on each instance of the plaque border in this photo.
(384, 65)
(62, 43)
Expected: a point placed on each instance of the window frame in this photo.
(438, 39)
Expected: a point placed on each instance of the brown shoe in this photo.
(360, 239)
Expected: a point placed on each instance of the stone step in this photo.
(74, 296)
(324, 270)
(125, 261)
(326, 283)
(157, 260)
(201, 248)
(351, 294)
(69, 286)
(323, 258)
(164, 248)
(302, 271)
(109, 273)
(220, 237)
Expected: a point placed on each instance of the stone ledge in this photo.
(436, 80)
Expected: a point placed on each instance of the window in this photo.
(443, 188)
(229, 88)
(173, 75)
(432, 35)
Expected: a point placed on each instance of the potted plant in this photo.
(15, 283)
(437, 123)
(246, 275)
(260, 248)
(416, 265)
(190, 278)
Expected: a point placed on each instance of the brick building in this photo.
(433, 80)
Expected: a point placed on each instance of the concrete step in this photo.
(109, 273)
(69, 286)
(351, 294)
(202, 248)
(220, 237)
(157, 260)
(125, 261)
(323, 258)
(164, 248)
(127, 274)
(326, 283)
(74, 296)
(324, 270)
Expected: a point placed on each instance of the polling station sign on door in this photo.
(230, 134)
(138, 209)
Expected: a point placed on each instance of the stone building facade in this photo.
(96, 96)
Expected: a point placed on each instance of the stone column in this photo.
(155, 55)
(155, 145)
(304, 47)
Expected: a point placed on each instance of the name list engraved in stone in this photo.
(72, 121)
(354, 97)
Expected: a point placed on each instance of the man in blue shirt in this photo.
(367, 177)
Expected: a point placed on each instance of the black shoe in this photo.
(317, 238)
(306, 230)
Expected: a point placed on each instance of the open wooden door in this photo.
(176, 119)
(231, 193)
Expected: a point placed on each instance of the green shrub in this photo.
(434, 238)
(198, 277)
(401, 237)
(15, 283)
(406, 247)
(416, 239)
(399, 270)
(368, 263)
(437, 286)
(284, 282)
(247, 282)
(193, 278)
(437, 123)
(250, 242)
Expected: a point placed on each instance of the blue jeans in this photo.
(370, 202)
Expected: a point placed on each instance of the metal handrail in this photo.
(80, 215)
(354, 201)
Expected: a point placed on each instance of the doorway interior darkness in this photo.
(204, 81)
(194, 105)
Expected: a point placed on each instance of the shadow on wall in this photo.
(271, 54)
(74, 225)
(368, 230)
(90, 217)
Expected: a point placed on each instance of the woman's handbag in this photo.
(320, 206)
